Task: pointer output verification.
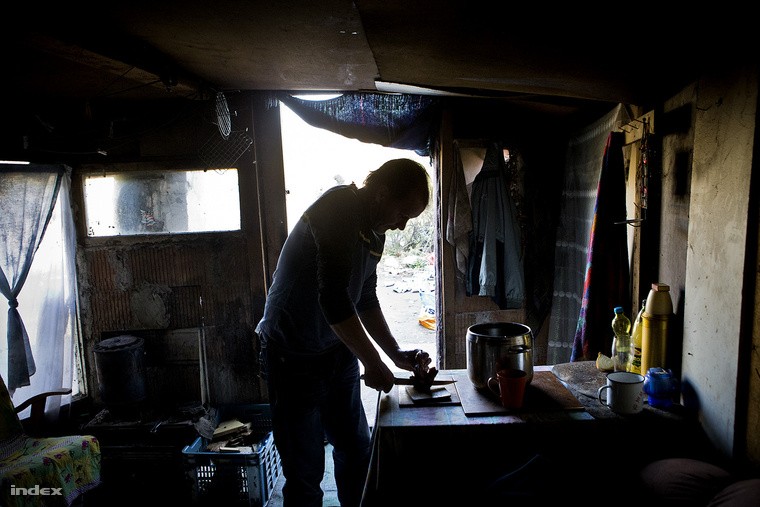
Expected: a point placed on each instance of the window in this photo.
(161, 202)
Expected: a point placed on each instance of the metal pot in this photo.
(497, 346)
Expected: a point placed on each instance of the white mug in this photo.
(625, 392)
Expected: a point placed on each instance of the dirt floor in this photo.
(399, 289)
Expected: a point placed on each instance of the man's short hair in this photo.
(403, 177)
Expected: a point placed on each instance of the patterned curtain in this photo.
(395, 121)
(607, 279)
(585, 152)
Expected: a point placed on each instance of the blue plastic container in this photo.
(661, 387)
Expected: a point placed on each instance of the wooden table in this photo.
(448, 454)
(448, 451)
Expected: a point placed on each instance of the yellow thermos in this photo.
(654, 327)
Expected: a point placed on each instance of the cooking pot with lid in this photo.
(496, 346)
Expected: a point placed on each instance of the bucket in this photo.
(120, 365)
(498, 346)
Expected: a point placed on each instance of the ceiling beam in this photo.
(166, 79)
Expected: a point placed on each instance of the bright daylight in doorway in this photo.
(316, 160)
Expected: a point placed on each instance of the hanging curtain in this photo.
(583, 161)
(37, 263)
(395, 121)
(607, 279)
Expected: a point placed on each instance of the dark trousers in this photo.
(313, 397)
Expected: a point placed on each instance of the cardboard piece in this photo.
(231, 427)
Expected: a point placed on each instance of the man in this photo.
(321, 307)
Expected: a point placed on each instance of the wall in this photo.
(725, 115)
(751, 431)
(536, 139)
(174, 290)
(676, 135)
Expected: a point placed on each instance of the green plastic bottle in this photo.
(621, 344)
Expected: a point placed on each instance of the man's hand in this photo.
(376, 373)
(374, 322)
(379, 377)
(412, 360)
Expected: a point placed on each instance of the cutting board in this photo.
(544, 393)
(408, 398)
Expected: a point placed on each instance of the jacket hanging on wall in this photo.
(607, 277)
(496, 263)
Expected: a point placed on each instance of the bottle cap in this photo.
(618, 309)
(658, 300)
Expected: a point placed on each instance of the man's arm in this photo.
(376, 374)
(374, 322)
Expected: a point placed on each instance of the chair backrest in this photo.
(9, 423)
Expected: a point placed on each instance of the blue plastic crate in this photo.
(246, 479)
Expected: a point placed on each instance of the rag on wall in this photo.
(496, 262)
(607, 272)
(459, 225)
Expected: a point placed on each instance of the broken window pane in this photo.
(161, 202)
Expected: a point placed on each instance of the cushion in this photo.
(738, 494)
(65, 466)
(683, 482)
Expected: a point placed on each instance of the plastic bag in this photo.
(427, 312)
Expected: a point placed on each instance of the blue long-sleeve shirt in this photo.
(325, 274)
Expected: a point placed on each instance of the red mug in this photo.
(511, 387)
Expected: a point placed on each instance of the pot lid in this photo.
(118, 343)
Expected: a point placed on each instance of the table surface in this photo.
(453, 454)
(449, 454)
(392, 414)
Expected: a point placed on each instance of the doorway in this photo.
(316, 160)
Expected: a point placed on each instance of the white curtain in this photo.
(37, 258)
(582, 169)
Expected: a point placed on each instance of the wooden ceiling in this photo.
(165, 49)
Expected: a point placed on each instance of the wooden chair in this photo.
(34, 424)
(54, 471)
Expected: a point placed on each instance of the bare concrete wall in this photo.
(676, 131)
(718, 211)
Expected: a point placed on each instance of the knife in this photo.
(409, 381)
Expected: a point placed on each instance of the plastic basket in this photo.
(246, 479)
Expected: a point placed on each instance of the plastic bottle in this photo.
(654, 327)
(634, 366)
(621, 344)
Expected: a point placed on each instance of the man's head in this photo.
(399, 190)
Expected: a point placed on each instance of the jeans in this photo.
(313, 397)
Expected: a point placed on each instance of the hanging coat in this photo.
(496, 262)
